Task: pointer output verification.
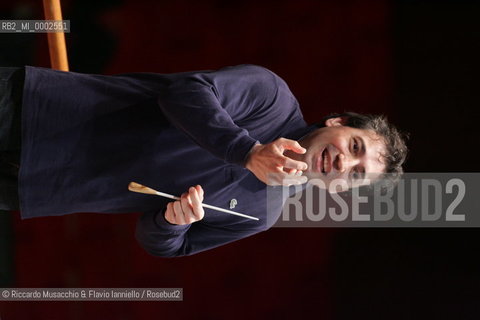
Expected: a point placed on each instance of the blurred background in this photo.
(415, 61)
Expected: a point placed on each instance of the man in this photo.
(211, 136)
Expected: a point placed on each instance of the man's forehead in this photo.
(367, 133)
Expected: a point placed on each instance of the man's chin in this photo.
(330, 183)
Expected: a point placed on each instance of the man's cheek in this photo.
(341, 179)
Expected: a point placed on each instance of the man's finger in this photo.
(293, 180)
(179, 215)
(293, 145)
(294, 164)
(169, 214)
(282, 178)
(186, 204)
(197, 206)
(200, 192)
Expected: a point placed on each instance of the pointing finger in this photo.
(293, 145)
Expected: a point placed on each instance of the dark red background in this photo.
(336, 56)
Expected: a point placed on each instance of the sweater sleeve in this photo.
(160, 238)
(210, 107)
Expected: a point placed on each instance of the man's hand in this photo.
(188, 209)
(272, 167)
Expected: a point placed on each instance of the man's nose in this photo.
(345, 162)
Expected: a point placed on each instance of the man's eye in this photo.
(355, 146)
(357, 174)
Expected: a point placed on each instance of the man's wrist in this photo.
(249, 154)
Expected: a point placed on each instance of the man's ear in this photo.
(335, 122)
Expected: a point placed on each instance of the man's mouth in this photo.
(323, 162)
(325, 167)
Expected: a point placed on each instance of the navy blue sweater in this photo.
(85, 137)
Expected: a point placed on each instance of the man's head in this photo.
(347, 146)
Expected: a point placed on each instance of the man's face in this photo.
(341, 152)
